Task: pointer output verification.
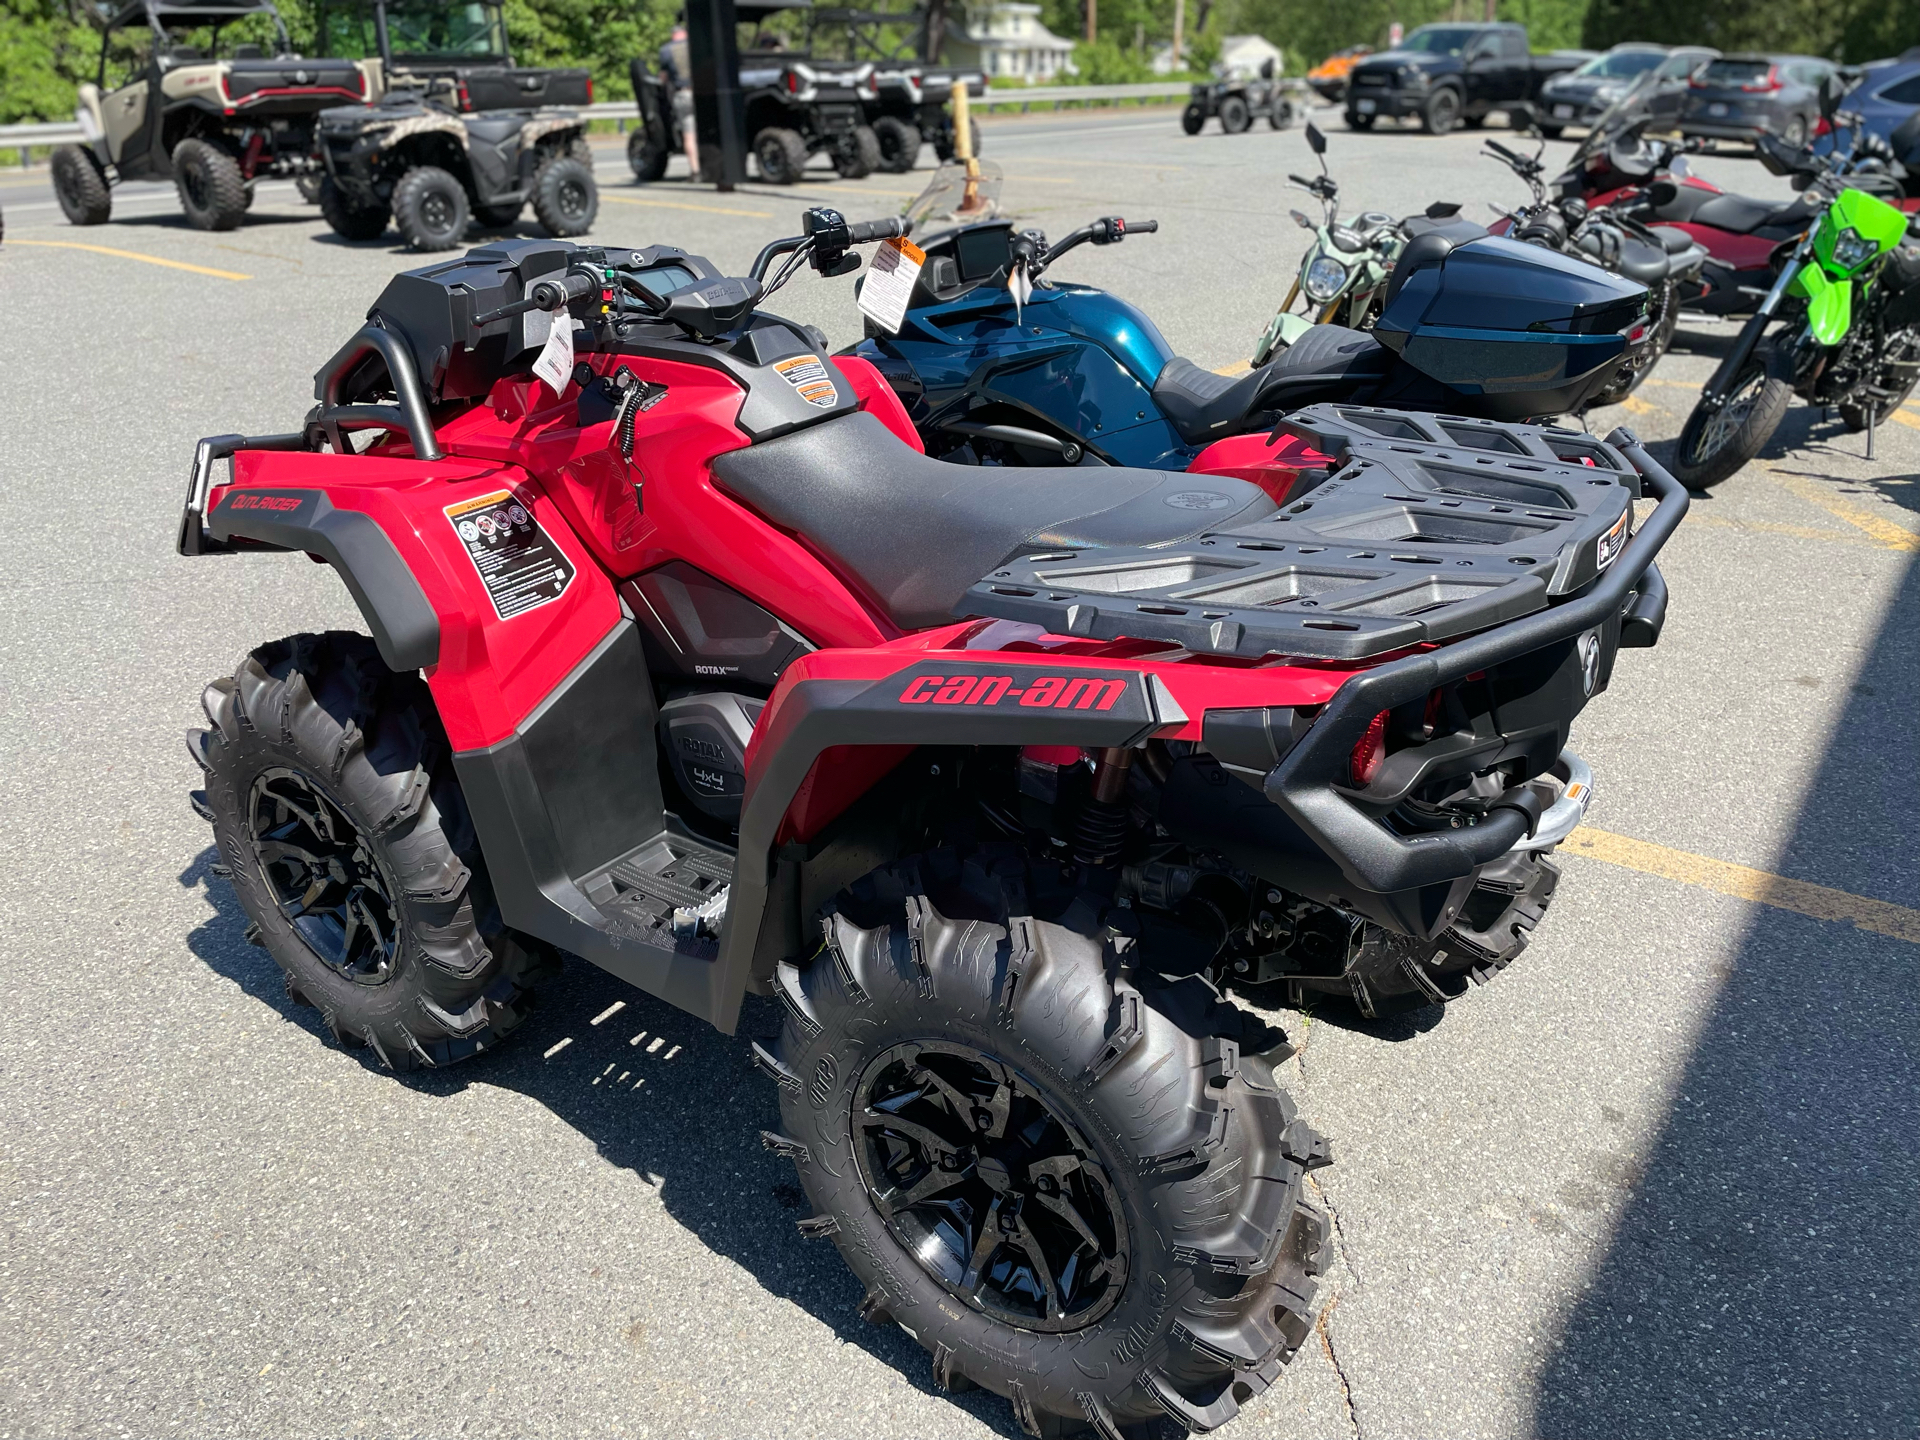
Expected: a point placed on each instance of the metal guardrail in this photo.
(21, 137)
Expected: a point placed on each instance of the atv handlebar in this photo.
(546, 295)
(1370, 855)
(1108, 230)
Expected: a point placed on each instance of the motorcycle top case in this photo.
(1534, 331)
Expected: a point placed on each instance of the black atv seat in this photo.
(494, 128)
(918, 532)
(1204, 405)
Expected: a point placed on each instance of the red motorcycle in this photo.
(687, 660)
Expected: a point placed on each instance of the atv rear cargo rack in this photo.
(1432, 527)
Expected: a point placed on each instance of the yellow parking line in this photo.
(1239, 367)
(1799, 532)
(131, 255)
(805, 186)
(1744, 883)
(1672, 384)
(683, 205)
(1814, 492)
(1905, 418)
(1634, 405)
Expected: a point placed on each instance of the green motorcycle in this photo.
(1848, 299)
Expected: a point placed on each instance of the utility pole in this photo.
(1179, 25)
(719, 110)
(1093, 20)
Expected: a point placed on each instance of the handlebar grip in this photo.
(1142, 227)
(1301, 181)
(867, 231)
(554, 294)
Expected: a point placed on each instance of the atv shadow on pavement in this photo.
(1762, 1279)
(659, 1093)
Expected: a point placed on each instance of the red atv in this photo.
(685, 659)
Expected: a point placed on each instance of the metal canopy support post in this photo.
(720, 115)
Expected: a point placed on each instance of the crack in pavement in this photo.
(1324, 1329)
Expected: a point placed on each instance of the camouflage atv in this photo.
(428, 160)
(213, 124)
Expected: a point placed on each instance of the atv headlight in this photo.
(1324, 279)
(1852, 249)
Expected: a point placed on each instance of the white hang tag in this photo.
(1022, 289)
(889, 283)
(555, 361)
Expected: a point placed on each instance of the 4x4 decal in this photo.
(1060, 692)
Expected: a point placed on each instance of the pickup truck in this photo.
(1451, 74)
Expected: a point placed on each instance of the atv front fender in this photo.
(1829, 303)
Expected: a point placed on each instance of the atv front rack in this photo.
(1432, 527)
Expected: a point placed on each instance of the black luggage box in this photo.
(1536, 332)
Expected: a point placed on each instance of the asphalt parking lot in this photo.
(1659, 1179)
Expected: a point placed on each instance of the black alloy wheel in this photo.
(322, 874)
(996, 1194)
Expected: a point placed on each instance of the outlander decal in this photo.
(808, 375)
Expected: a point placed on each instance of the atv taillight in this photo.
(793, 83)
(589, 89)
(1371, 750)
(466, 101)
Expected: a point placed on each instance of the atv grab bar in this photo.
(1369, 854)
(410, 414)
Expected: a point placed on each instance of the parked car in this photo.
(1741, 97)
(1330, 76)
(1885, 96)
(1583, 95)
(1446, 75)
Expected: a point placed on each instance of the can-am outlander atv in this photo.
(684, 658)
(429, 160)
(214, 124)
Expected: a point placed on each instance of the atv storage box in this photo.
(1473, 320)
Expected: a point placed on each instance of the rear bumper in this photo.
(1307, 782)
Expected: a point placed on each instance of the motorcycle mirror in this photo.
(1829, 98)
(1302, 221)
(1443, 210)
(1316, 142)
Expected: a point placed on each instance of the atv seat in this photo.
(494, 128)
(916, 532)
(1204, 405)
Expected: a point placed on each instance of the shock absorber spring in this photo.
(1102, 827)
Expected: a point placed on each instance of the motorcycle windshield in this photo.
(954, 195)
(1630, 113)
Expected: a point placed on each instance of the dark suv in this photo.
(1741, 97)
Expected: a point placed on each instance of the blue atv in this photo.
(1072, 374)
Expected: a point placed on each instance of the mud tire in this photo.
(566, 201)
(326, 709)
(431, 209)
(213, 193)
(1235, 117)
(647, 159)
(1193, 119)
(79, 186)
(350, 221)
(858, 154)
(782, 156)
(1171, 1088)
(899, 144)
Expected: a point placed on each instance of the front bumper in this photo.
(1379, 100)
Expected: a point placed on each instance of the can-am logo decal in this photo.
(808, 375)
(1051, 692)
(1614, 541)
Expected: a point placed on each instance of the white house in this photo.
(1241, 57)
(1008, 39)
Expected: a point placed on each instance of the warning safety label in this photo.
(521, 568)
(808, 375)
